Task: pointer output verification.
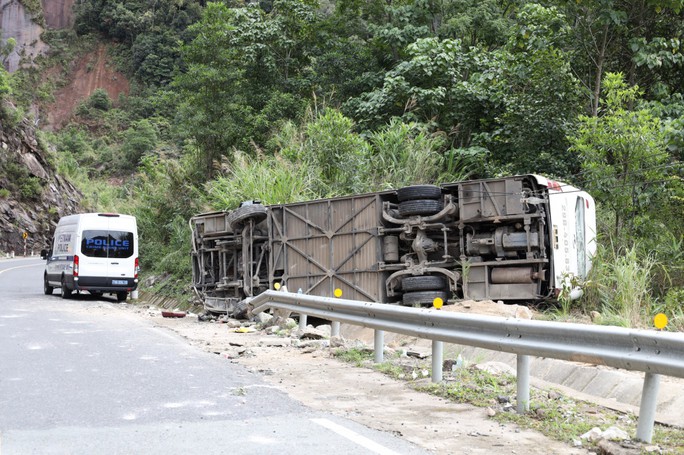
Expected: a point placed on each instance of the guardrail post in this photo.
(379, 345)
(437, 356)
(335, 329)
(523, 380)
(302, 321)
(647, 409)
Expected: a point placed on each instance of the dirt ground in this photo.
(307, 372)
(92, 71)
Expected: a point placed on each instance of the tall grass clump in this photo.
(271, 180)
(402, 154)
(621, 285)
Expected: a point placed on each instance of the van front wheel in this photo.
(47, 289)
(121, 296)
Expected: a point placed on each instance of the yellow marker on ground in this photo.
(338, 293)
(660, 321)
(438, 302)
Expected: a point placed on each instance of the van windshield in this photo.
(107, 244)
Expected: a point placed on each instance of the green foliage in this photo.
(31, 188)
(149, 31)
(100, 100)
(532, 84)
(18, 181)
(621, 284)
(624, 158)
(671, 306)
(33, 6)
(139, 139)
(5, 193)
(271, 180)
(335, 151)
(401, 155)
(355, 356)
(242, 63)
(5, 90)
(162, 220)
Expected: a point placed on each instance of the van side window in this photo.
(107, 244)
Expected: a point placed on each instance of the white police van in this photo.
(94, 252)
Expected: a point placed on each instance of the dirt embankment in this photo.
(92, 71)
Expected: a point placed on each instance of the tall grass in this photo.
(620, 286)
(271, 180)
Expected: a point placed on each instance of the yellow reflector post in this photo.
(660, 321)
(438, 302)
(276, 286)
(338, 293)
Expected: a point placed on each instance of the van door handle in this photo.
(115, 263)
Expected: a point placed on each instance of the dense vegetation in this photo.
(293, 99)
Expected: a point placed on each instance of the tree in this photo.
(244, 67)
(538, 98)
(519, 101)
(625, 163)
(139, 139)
(625, 36)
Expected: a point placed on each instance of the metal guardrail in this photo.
(655, 353)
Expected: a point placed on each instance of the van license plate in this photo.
(120, 282)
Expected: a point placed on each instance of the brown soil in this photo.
(90, 72)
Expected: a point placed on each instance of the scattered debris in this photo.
(173, 314)
(337, 342)
(311, 333)
(496, 368)
(607, 447)
(275, 342)
(417, 355)
(264, 319)
(611, 434)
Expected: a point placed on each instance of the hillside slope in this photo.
(32, 195)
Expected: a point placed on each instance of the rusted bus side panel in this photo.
(322, 245)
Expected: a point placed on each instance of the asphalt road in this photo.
(74, 382)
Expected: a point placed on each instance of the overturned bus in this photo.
(512, 239)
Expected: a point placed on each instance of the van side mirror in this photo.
(44, 254)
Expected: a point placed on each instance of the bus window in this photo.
(580, 238)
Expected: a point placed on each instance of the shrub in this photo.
(31, 188)
(100, 100)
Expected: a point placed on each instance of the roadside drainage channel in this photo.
(604, 386)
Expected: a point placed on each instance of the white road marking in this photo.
(355, 437)
(21, 267)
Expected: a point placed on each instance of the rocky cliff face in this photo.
(17, 22)
(32, 196)
(58, 14)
